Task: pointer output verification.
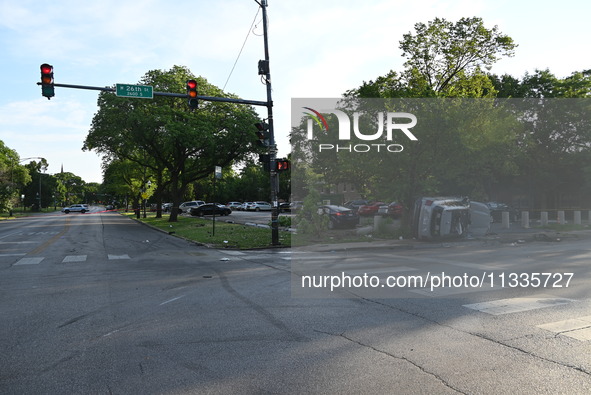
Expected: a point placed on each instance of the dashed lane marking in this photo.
(232, 252)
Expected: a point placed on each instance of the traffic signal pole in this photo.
(272, 145)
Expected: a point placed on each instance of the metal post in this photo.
(272, 146)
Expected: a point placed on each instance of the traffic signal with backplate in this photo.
(262, 133)
(281, 164)
(192, 93)
(47, 89)
(265, 159)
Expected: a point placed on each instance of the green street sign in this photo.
(139, 91)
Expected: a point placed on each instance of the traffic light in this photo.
(192, 93)
(262, 133)
(265, 159)
(281, 164)
(47, 89)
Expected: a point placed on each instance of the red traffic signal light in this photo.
(192, 93)
(262, 133)
(47, 89)
(281, 164)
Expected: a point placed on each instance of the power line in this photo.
(243, 44)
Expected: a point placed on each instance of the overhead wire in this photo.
(250, 30)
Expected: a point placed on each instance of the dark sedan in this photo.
(339, 217)
(210, 209)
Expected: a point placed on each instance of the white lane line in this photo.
(114, 257)
(23, 254)
(74, 258)
(29, 261)
(171, 300)
(516, 305)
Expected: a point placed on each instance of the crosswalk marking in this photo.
(115, 257)
(516, 305)
(66, 259)
(447, 291)
(74, 258)
(29, 261)
(577, 328)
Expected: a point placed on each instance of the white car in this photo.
(186, 206)
(244, 206)
(260, 206)
(234, 205)
(75, 208)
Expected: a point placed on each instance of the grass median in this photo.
(234, 236)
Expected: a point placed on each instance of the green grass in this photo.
(565, 227)
(226, 235)
(20, 212)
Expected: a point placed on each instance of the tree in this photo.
(556, 137)
(13, 176)
(176, 145)
(441, 51)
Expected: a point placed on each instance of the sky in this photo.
(316, 48)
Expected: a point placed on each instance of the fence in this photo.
(544, 218)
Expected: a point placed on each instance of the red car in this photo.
(370, 209)
(393, 210)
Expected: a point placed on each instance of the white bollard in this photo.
(377, 222)
(544, 218)
(578, 218)
(525, 219)
(561, 219)
(505, 220)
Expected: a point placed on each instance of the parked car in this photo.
(370, 209)
(166, 207)
(234, 205)
(393, 210)
(339, 217)
(285, 207)
(448, 217)
(75, 208)
(497, 209)
(355, 204)
(260, 206)
(244, 206)
(210, 209)
(296, 206)
(186, 206)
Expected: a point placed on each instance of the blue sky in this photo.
(317, 49)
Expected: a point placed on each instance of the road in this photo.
(97, 303)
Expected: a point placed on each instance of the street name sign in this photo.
(139, 91)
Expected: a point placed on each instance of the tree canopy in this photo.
(174, 145)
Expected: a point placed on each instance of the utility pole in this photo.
(265, 70)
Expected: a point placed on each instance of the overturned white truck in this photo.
(449, 217)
